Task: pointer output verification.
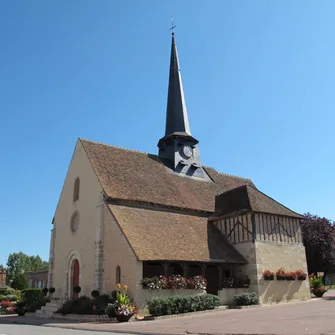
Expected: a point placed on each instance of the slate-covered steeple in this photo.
(178, 149)
(176, 112)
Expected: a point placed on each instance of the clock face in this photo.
(187, 151)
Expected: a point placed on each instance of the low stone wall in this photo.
(276, 291)
(226, 295)
(144, 295)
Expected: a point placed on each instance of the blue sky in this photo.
(258, 78)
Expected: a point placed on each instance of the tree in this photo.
(18, 264)
(2, 268)
(319, 240)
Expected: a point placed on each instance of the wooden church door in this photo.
(75, 278)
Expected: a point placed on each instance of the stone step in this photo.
(52, 305)
(49, 309)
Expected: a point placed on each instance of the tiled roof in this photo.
(140, 177)
(161, 235)
(248, 198)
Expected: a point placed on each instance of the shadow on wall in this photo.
(277, 291)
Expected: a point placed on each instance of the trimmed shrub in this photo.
(246, 299)
(52, 290)
(95, 293)
(45, 291)
(77, 289)
(182, 304)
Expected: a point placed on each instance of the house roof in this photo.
(161, 235)
(248, 198)
(141, 177)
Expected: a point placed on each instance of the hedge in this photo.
(182, 304)
(246, 299)
(33, 299)
(84, 305)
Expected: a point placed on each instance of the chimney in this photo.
(3, 276)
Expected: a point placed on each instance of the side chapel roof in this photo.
(248, 198)
(161, 235)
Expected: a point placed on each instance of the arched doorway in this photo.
(75, 277)
(213, 279)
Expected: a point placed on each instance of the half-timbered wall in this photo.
(260, 227)
(237, 229)
(277, 229)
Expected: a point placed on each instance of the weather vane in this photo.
(172, 25)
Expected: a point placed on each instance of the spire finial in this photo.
(172, 25)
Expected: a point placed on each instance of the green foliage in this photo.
(18, 263)
(33, 299)
(77, 289)
(246, 299)
(52, 290)
(182, 304)
(45, 291)
(110, 310)
(319, 239)
(95, 293)
(85, 305)
(19, 283)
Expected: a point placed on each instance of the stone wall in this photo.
(37, 279)
(226, 295)
(118, 252)
(69, 245)
(272, 256)
(248, 250)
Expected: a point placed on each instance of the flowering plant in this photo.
(301, 275)
(155, 283)
(268, 275)
(177, 282)
(291, 275)
(123, 305)
(234, 282)
(197, 283)
(281, 274)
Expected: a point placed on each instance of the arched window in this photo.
(74, 222)
(76, 189)
(118, 275)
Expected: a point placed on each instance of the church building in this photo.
(124, 215)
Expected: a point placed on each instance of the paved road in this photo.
(314, 317)
(37, 330)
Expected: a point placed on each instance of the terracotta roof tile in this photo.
(160, 235)
(135, 176)
(246, 198)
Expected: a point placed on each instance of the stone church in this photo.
(124, 215)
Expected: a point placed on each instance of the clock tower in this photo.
(178, 149)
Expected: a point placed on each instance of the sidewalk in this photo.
(313, 317)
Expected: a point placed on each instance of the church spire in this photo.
(176, 112)
(178, 149)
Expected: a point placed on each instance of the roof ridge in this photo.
(227, 174)
(117, 147)
(259, 191)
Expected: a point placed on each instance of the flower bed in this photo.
(234, 282)
(268, 275)
(9, 300)
(301, 275)
(175, 282)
